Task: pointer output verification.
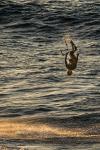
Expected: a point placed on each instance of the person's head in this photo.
(69, 72)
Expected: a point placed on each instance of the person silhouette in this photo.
(71, 58)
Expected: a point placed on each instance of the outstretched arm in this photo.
(62, 53)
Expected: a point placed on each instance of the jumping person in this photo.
(70, 58)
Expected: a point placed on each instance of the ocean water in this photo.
(40, 106)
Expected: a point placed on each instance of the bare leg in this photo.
(67, 46)
(77, 56)
(66, 43)
(65, 49)
(74, 48)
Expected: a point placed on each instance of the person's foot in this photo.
(71, 42)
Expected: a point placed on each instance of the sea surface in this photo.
(41, 107)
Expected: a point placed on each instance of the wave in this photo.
(35, 17)
(84, 118)
(14, 112)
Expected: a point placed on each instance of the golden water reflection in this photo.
(12, 129)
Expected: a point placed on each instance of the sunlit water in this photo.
(40, 106)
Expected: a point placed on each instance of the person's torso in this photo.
(71, 61)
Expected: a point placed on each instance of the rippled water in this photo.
(40, 106)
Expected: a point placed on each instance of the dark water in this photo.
(40, 106)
